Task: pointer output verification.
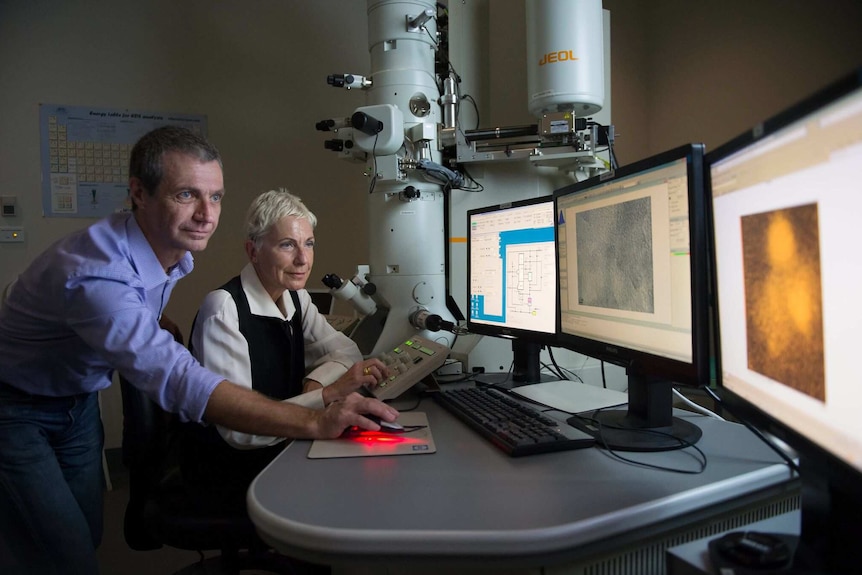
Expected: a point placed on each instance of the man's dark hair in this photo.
(145, 162)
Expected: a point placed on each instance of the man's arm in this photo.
(248, 411)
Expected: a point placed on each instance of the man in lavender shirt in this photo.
(91, 304)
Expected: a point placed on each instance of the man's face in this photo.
(285, 256)
(183, 211)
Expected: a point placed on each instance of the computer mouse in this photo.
(385, 426)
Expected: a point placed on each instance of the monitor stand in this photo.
(647, 425)
(526, 368)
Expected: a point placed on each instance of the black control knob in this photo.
(332, 281)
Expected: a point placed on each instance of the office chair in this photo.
(160, 513)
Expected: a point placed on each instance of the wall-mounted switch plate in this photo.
(11, 235)
(8, 206)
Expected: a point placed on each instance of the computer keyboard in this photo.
(409, 363)
(515, 428)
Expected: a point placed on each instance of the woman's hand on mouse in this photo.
(349, 412)
(368, 373)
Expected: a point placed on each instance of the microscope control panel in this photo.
(409, 363)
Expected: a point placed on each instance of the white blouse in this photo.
(220, 347)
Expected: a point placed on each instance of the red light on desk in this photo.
(374, 437)
(379, 438)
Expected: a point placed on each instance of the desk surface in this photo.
(470, 502)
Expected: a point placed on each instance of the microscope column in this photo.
(407, 241)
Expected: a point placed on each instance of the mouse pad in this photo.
(415, 440)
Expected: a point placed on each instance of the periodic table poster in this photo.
(85, 156)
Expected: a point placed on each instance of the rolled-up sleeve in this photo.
(114, 318)
(328, 352)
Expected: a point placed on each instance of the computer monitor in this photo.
(633, 290)
(786, 211)
(512, 280)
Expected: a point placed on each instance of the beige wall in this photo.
(717, 68)
(257, 70)
(682, 70)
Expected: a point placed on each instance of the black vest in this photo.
(215, 473)
(276, 347)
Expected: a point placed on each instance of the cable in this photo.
(569, 371)
(789, 460)
(553, 370)
(470, 99)
(374, 159)
(685, 444)
(611, 152)
(443, 379)
(574, 374)
(433, 39)
(446, 178)
(702, 460)
(561, 370)
(415, 406)
(496, 385)
(612, 156)
(475, 187)
(695, 407)
(459, 330)
(435, 173)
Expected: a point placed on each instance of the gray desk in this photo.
(469, 505)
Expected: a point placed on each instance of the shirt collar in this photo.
(149, 267)
(259, 302)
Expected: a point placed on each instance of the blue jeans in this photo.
(51, 483)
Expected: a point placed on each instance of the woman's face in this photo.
(286, 254)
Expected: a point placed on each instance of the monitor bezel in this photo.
(638, 362)
(830, 497)
(824, 462)
(492, 330)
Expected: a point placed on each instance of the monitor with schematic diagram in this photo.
(512, 279)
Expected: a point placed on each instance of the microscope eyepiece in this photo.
(332, 281)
